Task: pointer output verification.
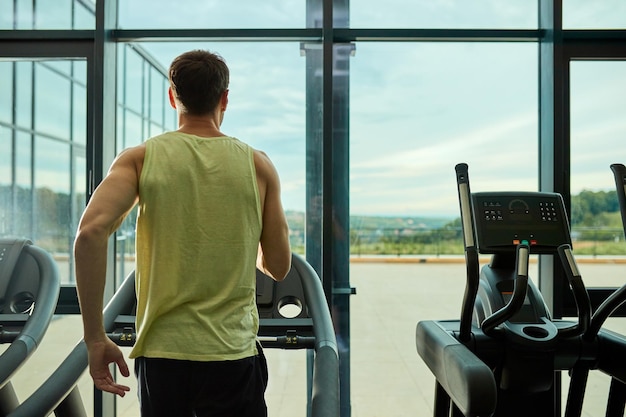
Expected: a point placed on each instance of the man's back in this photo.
(198, 230)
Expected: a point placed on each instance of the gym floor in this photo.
(388, 378)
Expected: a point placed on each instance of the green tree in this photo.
(587, 207)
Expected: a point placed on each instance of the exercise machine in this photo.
(293, 315)
(29, 290)
(609, 345)
(503, 356)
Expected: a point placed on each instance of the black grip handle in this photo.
(471, 252)
(581, 297)
(519, 292)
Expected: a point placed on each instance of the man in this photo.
(209, 211)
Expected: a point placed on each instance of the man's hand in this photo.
(101, 354)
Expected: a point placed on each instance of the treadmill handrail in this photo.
(325, 391)
(36, 326)
(316, 302)
(61, 383)
(325, 395)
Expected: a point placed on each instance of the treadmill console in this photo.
(505, 219)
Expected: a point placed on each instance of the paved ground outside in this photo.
(388, 378)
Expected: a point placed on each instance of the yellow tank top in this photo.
(198, 230)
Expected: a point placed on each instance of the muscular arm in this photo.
(109, 205)
(275, 253)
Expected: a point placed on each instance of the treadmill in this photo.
(293, 315)
(29, 291)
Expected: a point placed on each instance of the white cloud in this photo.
(416, 109)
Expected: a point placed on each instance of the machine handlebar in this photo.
(519, 292)
(619, 172)
(581, 296)
(471, 252)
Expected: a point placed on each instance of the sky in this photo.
(416, 109)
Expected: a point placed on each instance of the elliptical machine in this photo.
(500, 358)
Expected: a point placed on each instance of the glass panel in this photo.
(132, 80)
(42, 195)
(52, 206)
(53, 14)
(6, 17)
(158, 99)
(598, 129)
(416, 110)
(84, 15)
(52, 101)
(597, 14)
(61, 66)
(131, 131)
(24, 94)
(49, 14)
(5, 181)
(80, 72)
(23, 159)
(45, 196)
(23, 18)
(79, 113)
(161, 14)
(5, 157)
(447, 103)
(23, 223)
(444, 14)
(6, 86)
(122, 52)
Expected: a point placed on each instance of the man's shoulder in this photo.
(135, 151)
(132, 156)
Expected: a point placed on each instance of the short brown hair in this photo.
(198, 79)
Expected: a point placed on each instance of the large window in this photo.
(452, 14)
(598, 129)
(211, 14)
(416, 111)
(597, 14)
(44, 133)
(43, 179)
(47, 14)
(415, 115)
(416, 87)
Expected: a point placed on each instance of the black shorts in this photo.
(179, 388)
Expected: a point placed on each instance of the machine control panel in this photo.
(504, 219)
